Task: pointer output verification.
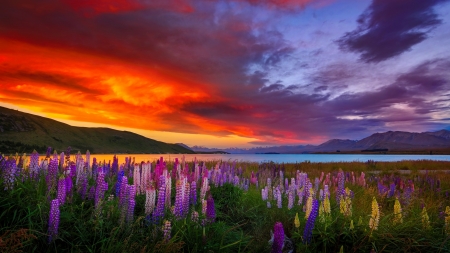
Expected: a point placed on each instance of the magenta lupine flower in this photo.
(52, 175)
(210, 210)
(160, 205)
(193, 193)
(307, 233)
(53, 221)
(62, 191)
(278, 238)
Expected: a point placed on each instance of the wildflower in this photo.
(131, 203)
(193, 193)
(279, 198)
(167, 228)
(278, 238)
(62, 190)
(308, 206)
(290, 200)
(307, 233)
(160, 205)
(296, 221)
(397, 212)
(375, 216)
(150, 199)
(210, 210)
(52, 175)
(326, 205)
(53, 221)
(425, 219)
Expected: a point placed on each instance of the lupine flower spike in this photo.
(425, 219)
(375, 216)
(397, 212)
(278, 238)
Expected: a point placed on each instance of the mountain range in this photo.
(392, 141)
(23, 132)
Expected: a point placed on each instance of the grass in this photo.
(243, 221)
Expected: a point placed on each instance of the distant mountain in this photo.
(335, 144)
(258, 150)
(391, 140)
(23, 132)
(404, 140)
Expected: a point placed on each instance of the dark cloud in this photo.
(389, 28)
(57, 80)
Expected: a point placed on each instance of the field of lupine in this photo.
(73, 203)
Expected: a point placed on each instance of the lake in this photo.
(278, 158)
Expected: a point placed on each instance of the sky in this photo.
(238, 73)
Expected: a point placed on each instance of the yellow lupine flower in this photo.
(397, 212)
(326, 205)
(375, 216)
(425, 219)
(308, 206)
(296, 221)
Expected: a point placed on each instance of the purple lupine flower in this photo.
(279, 198)
(53, 221)
(131, 204)
(91, 194)
(52, 175)
(290, 200)
(307, 233)
(278, 238)
(62, 191)
(186, 198)
(99, 190)
(391, 190)
(9, 175)
(69, 186)
(341, 186)
(82, 188)
(120, 176)
(210, 210)
(160, 205)
(179, 199)
(193, 193)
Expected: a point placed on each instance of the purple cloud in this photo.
(390, 28)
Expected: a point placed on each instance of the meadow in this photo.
(62, 202)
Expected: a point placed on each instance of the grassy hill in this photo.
(23, 132)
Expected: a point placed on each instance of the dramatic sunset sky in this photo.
(237, 73)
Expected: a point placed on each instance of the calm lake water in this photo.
(278, 158)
